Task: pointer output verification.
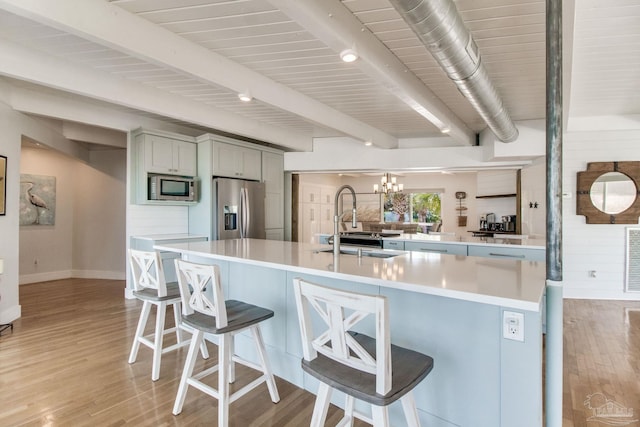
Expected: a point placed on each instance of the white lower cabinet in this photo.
(507, 253)
(440, 248)
(393, 244)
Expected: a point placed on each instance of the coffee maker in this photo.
(483, 222)
(509, 223)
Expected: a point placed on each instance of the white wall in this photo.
(88, 237)
(46, 250)
(99, 237)
(11, 124)
(597, 247)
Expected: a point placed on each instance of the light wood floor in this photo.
(601, 355)
(66, 364)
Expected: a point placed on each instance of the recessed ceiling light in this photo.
(368, 143)
(245, 97)
(445, 130)
(349, 55)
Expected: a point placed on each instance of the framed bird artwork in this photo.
(37, 199)
(3, 185)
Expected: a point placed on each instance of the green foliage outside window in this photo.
(412, 207)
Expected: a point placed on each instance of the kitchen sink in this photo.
(365, 252)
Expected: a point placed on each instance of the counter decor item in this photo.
(462, 219)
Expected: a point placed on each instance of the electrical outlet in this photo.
(513, 326)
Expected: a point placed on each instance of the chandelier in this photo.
(388, 185)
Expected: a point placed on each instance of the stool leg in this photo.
(264, 361)
(142, 322)
(158, 339)
(177, 317)
(203, 349)
(380, 415)
(232, 364)
(189, 364)
(203, 345)
(223, 380)
(322, 406)
(410, 410)
(349, 406)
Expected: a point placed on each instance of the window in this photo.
(412, 207)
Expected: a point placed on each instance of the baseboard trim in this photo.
(68, 274)
(98, 274)
(25, 279)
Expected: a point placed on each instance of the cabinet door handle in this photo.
(311, 197)
(506, 255)
(444, 251)
(312, 216)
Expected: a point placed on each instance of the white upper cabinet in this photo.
(310, 193)
(236, 162)
(327, 195)
(168, 156)
(159, 152)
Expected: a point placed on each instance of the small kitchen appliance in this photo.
(509, 223)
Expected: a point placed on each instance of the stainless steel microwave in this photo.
(174, 188)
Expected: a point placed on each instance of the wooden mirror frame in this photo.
(584, 205)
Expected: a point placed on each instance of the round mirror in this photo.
(613, 192)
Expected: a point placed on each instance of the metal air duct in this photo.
(439, 26)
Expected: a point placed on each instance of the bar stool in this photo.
(206, 311)
(151, 288)
(364, 368)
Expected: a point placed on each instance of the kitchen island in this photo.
(450, 307)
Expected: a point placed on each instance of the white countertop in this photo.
(508, 283)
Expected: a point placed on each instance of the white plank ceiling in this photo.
(298, 81)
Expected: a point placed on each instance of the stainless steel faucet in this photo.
(336, 218)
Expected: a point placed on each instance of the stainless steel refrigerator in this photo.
(238, 209)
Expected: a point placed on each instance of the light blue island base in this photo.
(479, 378)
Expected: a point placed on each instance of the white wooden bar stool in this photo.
(364, 368)
(150, 287)
(206, 311)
